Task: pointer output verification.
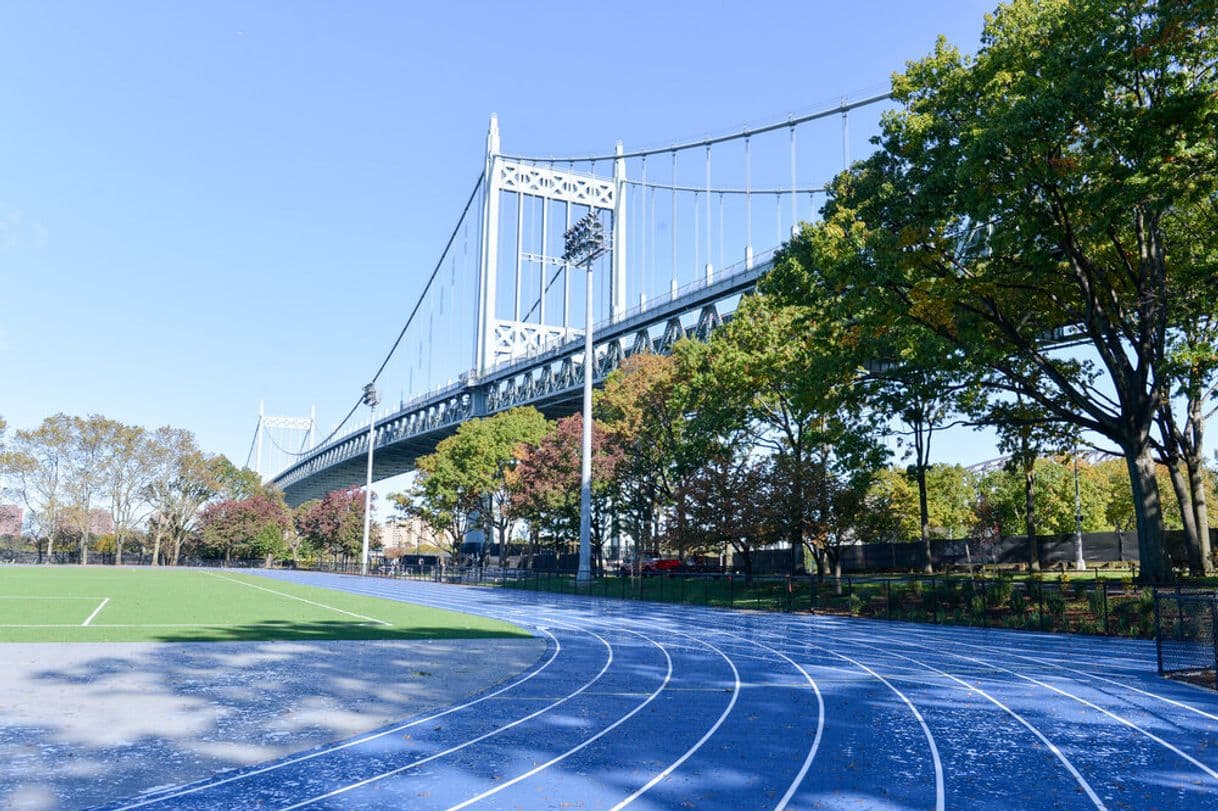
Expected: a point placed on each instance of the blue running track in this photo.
(653, 706)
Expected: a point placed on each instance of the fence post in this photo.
(934, 593)
(888, 599)
(683, 579)
(1104, 591)
(1214, 629)
(1040, 598)
(731, 591)
(1158, 634)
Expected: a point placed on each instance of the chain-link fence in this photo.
(1185, 623)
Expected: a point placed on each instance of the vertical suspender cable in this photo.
(845, 138)
(794, 196)
(697, 234)
(748, 204)
(519, 251)
(708, 204)
(642, 288)
(721, 265)
(673, 222)
(777, 218)
(545, 247)
(566, 277)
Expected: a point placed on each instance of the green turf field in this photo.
(95, 604)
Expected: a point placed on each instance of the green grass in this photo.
(53, 604)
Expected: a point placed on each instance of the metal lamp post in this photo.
(371, 398)
(585, 241)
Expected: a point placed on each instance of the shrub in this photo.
(1018, 602)
(998, 592)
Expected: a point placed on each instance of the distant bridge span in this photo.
(550, 379)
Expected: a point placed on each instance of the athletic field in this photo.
(69, 604)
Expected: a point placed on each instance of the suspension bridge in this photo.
(672, 213)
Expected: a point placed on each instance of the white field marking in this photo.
(310, 756)
(298, 599)
(1089, 674)
(1119, 719)
(706, 737)
(974, 688)
(820, 719)
(96, 611)
(41, 597)
(470, 742)
(587, 741)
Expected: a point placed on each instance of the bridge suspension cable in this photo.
(840, 109)
(452, 237)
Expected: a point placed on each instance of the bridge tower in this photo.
(286, 439)
(532, 184)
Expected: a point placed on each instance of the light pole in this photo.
(1079, 563)
(585, 241)
(370, 399)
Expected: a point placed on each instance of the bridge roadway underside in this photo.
(400, 457)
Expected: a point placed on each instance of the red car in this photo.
(661, 565)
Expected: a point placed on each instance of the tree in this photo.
(257, 526)
(126, 469)
(335, 524)
(733, 506)
(645, 409)
(464, 477)
(184, 479)
(1028, 189)
(1025, 433)
(38, 463)
(545, 484)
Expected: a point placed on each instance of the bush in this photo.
(854, 603)
(998, 592)
(1018, 602)
(1095, 601)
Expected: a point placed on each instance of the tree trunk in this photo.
(1180, 485)
(118, 549)
(1029, 516)
(1155, 566)
(1196, 480)
(924, 518)
(156, 548)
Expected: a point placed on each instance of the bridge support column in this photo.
(488, 270)
(617, 285)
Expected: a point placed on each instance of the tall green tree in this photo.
(1028, 189)
(464, 477)
(38, 463)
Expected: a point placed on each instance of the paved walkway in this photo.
(678, 707)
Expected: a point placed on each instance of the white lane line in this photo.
(503, 728)
(298, 599)
(587, 741)
(41, 597)
(820, 719)
(974, 688)
(338, 747)
(715, 728)
(96, 611)
(1091, 675)
(1119, 719)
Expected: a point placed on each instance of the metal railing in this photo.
(1186, 635)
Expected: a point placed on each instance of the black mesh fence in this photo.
(1185, 625)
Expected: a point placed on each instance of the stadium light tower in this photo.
(585, 242)
(371, 398)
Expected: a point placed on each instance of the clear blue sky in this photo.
(204, 205)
